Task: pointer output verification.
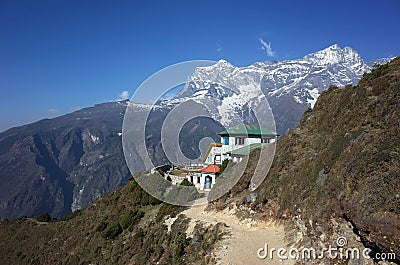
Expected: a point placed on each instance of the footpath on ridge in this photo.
(244, 239)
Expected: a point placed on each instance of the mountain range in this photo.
(291, 86)
(63, 164)
(332, 194)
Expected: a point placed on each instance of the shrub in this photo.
(377, 71)
(224, 165)
(183, 194)
(180, 243)
(103, 225)
(168, 209)
(71, 215)
(159, 170)
(113, 232)
(186, 182)
(140, 196)
(131, 218)
(22, 217)
(43, 218)
(139, 234)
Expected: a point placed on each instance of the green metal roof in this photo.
(244, 151)
(248, 129)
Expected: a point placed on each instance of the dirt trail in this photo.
(245, 238)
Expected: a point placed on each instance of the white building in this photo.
(237, 142)
(204, 179)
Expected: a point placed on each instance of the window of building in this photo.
(239, 141)
(265, 140)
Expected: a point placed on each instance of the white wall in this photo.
(252, 141)
(215, 150)
(230, 147)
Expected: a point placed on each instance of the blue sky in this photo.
(57, 56)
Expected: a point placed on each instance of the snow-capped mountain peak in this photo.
(223, 62)
(290, 86)
(334, 55)
(331, 55)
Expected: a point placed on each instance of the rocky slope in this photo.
(126, 226)
(337, 173)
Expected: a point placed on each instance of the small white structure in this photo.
(243, 138)
(204, 179)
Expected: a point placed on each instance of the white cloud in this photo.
(267, 48)
(123, 95)
(219, 48)
(53, 111)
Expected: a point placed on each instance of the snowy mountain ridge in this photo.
(331, 66)
(292, 84)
